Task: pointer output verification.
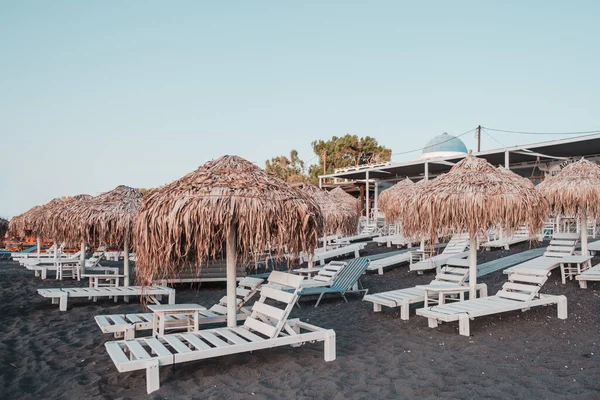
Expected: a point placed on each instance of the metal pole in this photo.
(82, 257)
(231, 281)
(426, 171)
(584, 238)
(320, 183)
(506, 164)
(376, 200)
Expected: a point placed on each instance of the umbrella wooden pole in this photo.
(82, 257)
(231, 278)
(39, 246)
(472, 266)
(126, 261)
(584, 238)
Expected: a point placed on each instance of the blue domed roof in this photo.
(445, 143)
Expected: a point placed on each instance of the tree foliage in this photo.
(347, 151)
(290, 169)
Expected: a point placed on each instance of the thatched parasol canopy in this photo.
(21, 225)
(473, 197)
(44, 219)
(106, 218)
(390, 200)
(346, 200)
(226, 204)
(3, 228)
(575, 191)
(337, 220)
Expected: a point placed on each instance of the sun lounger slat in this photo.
(269, 311)
(256, 325)
(195, 341)
(247, 334)
(215, 311)
(176, 343)
(537, 279)
(232, 337)
(157, 347)
(513, 295)
(116, 352)
(278, 295)
(212, 339)
(137, 350)
(521, 287)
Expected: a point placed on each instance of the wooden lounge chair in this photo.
(368, 232)
(455, 248)
(126, 325)
(561, 245)
(267, 327)
(381, 263)
(403, 298)
(519, 236)
(592, 274)
(62, 295)
(521, 292)
(326, 275)
(321, 256)
(346, 281)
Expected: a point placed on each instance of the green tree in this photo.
(289, 169)
(347, 151)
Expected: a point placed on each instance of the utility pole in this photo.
(478, 138)
(324, 162)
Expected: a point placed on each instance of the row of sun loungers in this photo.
(561, 245)
(519, 236)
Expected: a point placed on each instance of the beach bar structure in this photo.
(533, 161)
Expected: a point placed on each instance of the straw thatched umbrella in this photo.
(473, 197)
(391, 199)
(346, 200)
(3, 228)
(106, 218)
(228, 203)
(575, 191)
(336, 219)
(21, 225)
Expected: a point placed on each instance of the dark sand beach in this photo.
(50, 354)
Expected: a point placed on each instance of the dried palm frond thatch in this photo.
(21, 225)
(336, 220)
(473, 197)
(106, 218)
(344, 199)
(192, 218)
(575, 191)
(390, 200)
(3, 228)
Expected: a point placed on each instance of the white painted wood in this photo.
(231, 275)
(126, 269)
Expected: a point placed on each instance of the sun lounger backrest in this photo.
(523, 285)
(269, 319)
(562, 244)
(450, 274)
(330, 271)
(350, 274)
(245, 290)
(457, 244)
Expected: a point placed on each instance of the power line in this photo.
(493, 138)
(423, 148)
(542, 133)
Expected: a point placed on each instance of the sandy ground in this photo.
(46, 353)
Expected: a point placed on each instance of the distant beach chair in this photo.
(455, 248)
(126, 325)
(60, 296)
(519, 236)
(521, 292)
(368, 232)
(346, 281)
(449, 276)
(324, 276)
(322, 255)
(561, 245)
(267, 327)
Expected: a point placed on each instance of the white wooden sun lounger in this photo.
(126, 325)
(388, 240)
(521, 292)
(60, 296)
(403, 298)
(49, 260)
(72, 265)
(321, 256)
(368, 232)
(267, 327)
(456, 248)
(561, 245)
(326, 275)
(592, 274)
(594, 247)
(521, 235)
(380, 264)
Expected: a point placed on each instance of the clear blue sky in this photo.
(100, 93)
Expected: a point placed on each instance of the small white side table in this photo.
(442, 290)
(571, 266)
(163, 311)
